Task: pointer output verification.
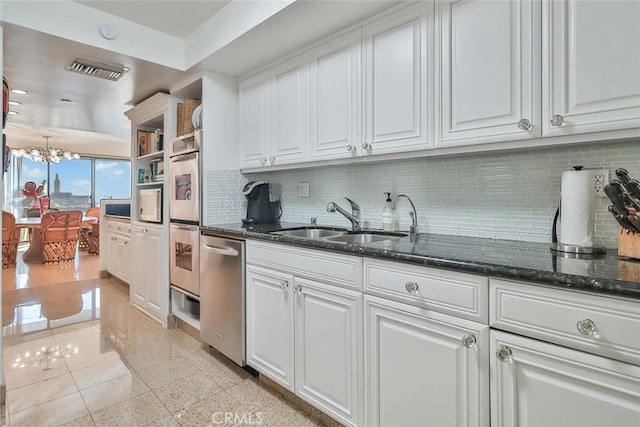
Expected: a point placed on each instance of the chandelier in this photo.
(46, 154)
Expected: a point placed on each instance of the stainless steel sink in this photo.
(311, 233)
(364, 237)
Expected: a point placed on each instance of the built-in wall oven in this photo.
(184, 179)
(185, 257)
(184, 213)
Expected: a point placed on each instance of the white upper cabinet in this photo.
(290, 112)
(487, 71)
(591, 66)
(397, 80)
(336, 98)
(254, 121)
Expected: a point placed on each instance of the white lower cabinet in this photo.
(148, 290)
(270, 323)
(534, 383)
(424, 368)
(306, 334)
(328, 348)
(118, 249)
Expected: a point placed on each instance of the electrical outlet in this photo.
(303, 189)
(601, 179)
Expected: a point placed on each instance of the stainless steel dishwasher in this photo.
(222, 296)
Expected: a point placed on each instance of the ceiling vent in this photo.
(97, 69)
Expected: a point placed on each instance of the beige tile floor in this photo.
(127, 371)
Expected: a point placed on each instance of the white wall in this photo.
(502, 196)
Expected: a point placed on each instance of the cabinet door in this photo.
(397, 77)
(254, 121)
(137, 287)
(328, 355)
(153, 284)
(269, 311)
(591, 66)
(290, 112)
(121, 267)
(538, 384)
(336, 98)
(126, 256)
(488, 71)
(421, 369)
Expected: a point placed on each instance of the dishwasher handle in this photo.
(221, 251)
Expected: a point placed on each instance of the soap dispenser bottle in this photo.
(387, 214)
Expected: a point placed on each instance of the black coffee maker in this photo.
(260, 210)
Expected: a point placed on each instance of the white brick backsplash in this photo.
(223, 199)
(503, 196)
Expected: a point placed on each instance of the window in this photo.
(75, 184)
(112, 179)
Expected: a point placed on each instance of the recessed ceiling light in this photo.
(15, 103)
(13, 112)
(19, 91)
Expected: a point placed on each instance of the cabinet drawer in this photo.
(124, 228)
(337, 269)
(600, 325)
(460, 294)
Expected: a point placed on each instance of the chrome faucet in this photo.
(353, 217)
(413, 230)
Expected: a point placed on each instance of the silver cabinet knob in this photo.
(587, 327)
(469, 341)
(284, 284)
(263, 160)
(504, 354)
(524, 124)
(411, 287)
(366, 146)
(351, 148)
(297, 289)
(272, 159)
(557, 120)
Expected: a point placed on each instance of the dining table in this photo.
(34, 253)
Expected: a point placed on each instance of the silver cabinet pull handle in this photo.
(284, 284)
(557, 120)
(351, 148)
(587, 327)
(504, 354)
(524, 124)
(367, 146)
(469, 341)
(263, 160)
(297, 289)
(411, 287)
(272, 159)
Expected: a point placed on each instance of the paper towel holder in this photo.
(557, 246)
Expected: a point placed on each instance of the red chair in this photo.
(10, 237)
(83, 238)
(60, 235)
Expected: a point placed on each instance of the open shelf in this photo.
(149, 184)
(154, 155)
(179, 307)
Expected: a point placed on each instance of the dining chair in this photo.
(60, 235)
(85, 232)
(94, 239)
(10, 237)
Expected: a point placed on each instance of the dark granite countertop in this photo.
(533, 262)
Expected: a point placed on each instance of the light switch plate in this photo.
(601, 179)
(303, 189)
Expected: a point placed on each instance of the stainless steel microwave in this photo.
(150, 204)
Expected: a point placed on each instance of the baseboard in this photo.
(294, 400)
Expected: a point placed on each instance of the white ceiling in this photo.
(177, 17)
(36, 61)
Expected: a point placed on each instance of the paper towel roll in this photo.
(577, 208)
